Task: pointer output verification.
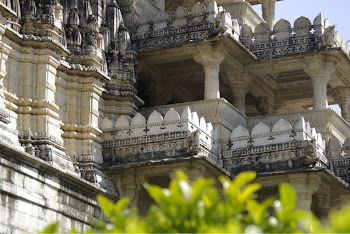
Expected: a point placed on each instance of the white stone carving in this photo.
(282, 131)
(239, 138)
(282, 29)
(212, 11)
(154, 123)
(198, 11)
(319, 25)
(160, 21)
(180, 19)
(262, 32)
(122, 123)
(143, 21)
(138, 124)
(302, 26)
(261, 134)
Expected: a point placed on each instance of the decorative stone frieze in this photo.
(320, 73)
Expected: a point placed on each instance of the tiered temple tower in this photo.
(102, 96)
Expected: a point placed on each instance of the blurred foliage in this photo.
(200, 208)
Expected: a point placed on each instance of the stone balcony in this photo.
(283, 147)
(285, 40)
(222, 114)
(158, 138)
(325, 121)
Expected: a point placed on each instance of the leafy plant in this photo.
(200, 208)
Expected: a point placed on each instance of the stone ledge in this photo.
(42, 165)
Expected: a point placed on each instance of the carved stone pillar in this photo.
(4, 54)
(211, 61)
(268, 9)
(305, 185)
(239, 83)
(320, 73)
(321, 205)
(341, 96)
(265, 106)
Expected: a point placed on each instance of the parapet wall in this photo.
(285, 147)
(184, 25)
(157, 137)
(284, 39)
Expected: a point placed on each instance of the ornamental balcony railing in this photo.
(222, 114)
(282, 148)
(326, 121)
(157, 138)
(284, 40)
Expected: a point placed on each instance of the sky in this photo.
(336, 11)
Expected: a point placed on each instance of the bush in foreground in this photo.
(199, 208)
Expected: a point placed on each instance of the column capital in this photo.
(235, 77)
(209, 59)
(317, 68)
(320, 72)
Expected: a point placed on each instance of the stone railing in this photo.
(183, 25)
(222, 114)
(284, 39)
(290, 147)
(157, 138)
(326, 121)
(340, 156)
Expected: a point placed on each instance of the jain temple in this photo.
(102, 96)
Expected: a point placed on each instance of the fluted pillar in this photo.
(341, 96)
(320, 73)
(211, 61)
(239, 83)
(268, 10)
(304, 185)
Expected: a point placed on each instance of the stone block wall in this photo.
(34, 194)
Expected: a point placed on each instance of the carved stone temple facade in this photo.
(102, 96)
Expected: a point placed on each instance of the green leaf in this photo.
(287, 196)
(249, 190)
(186, 190)
(244, 178)
(106, 205)
(52, 228)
